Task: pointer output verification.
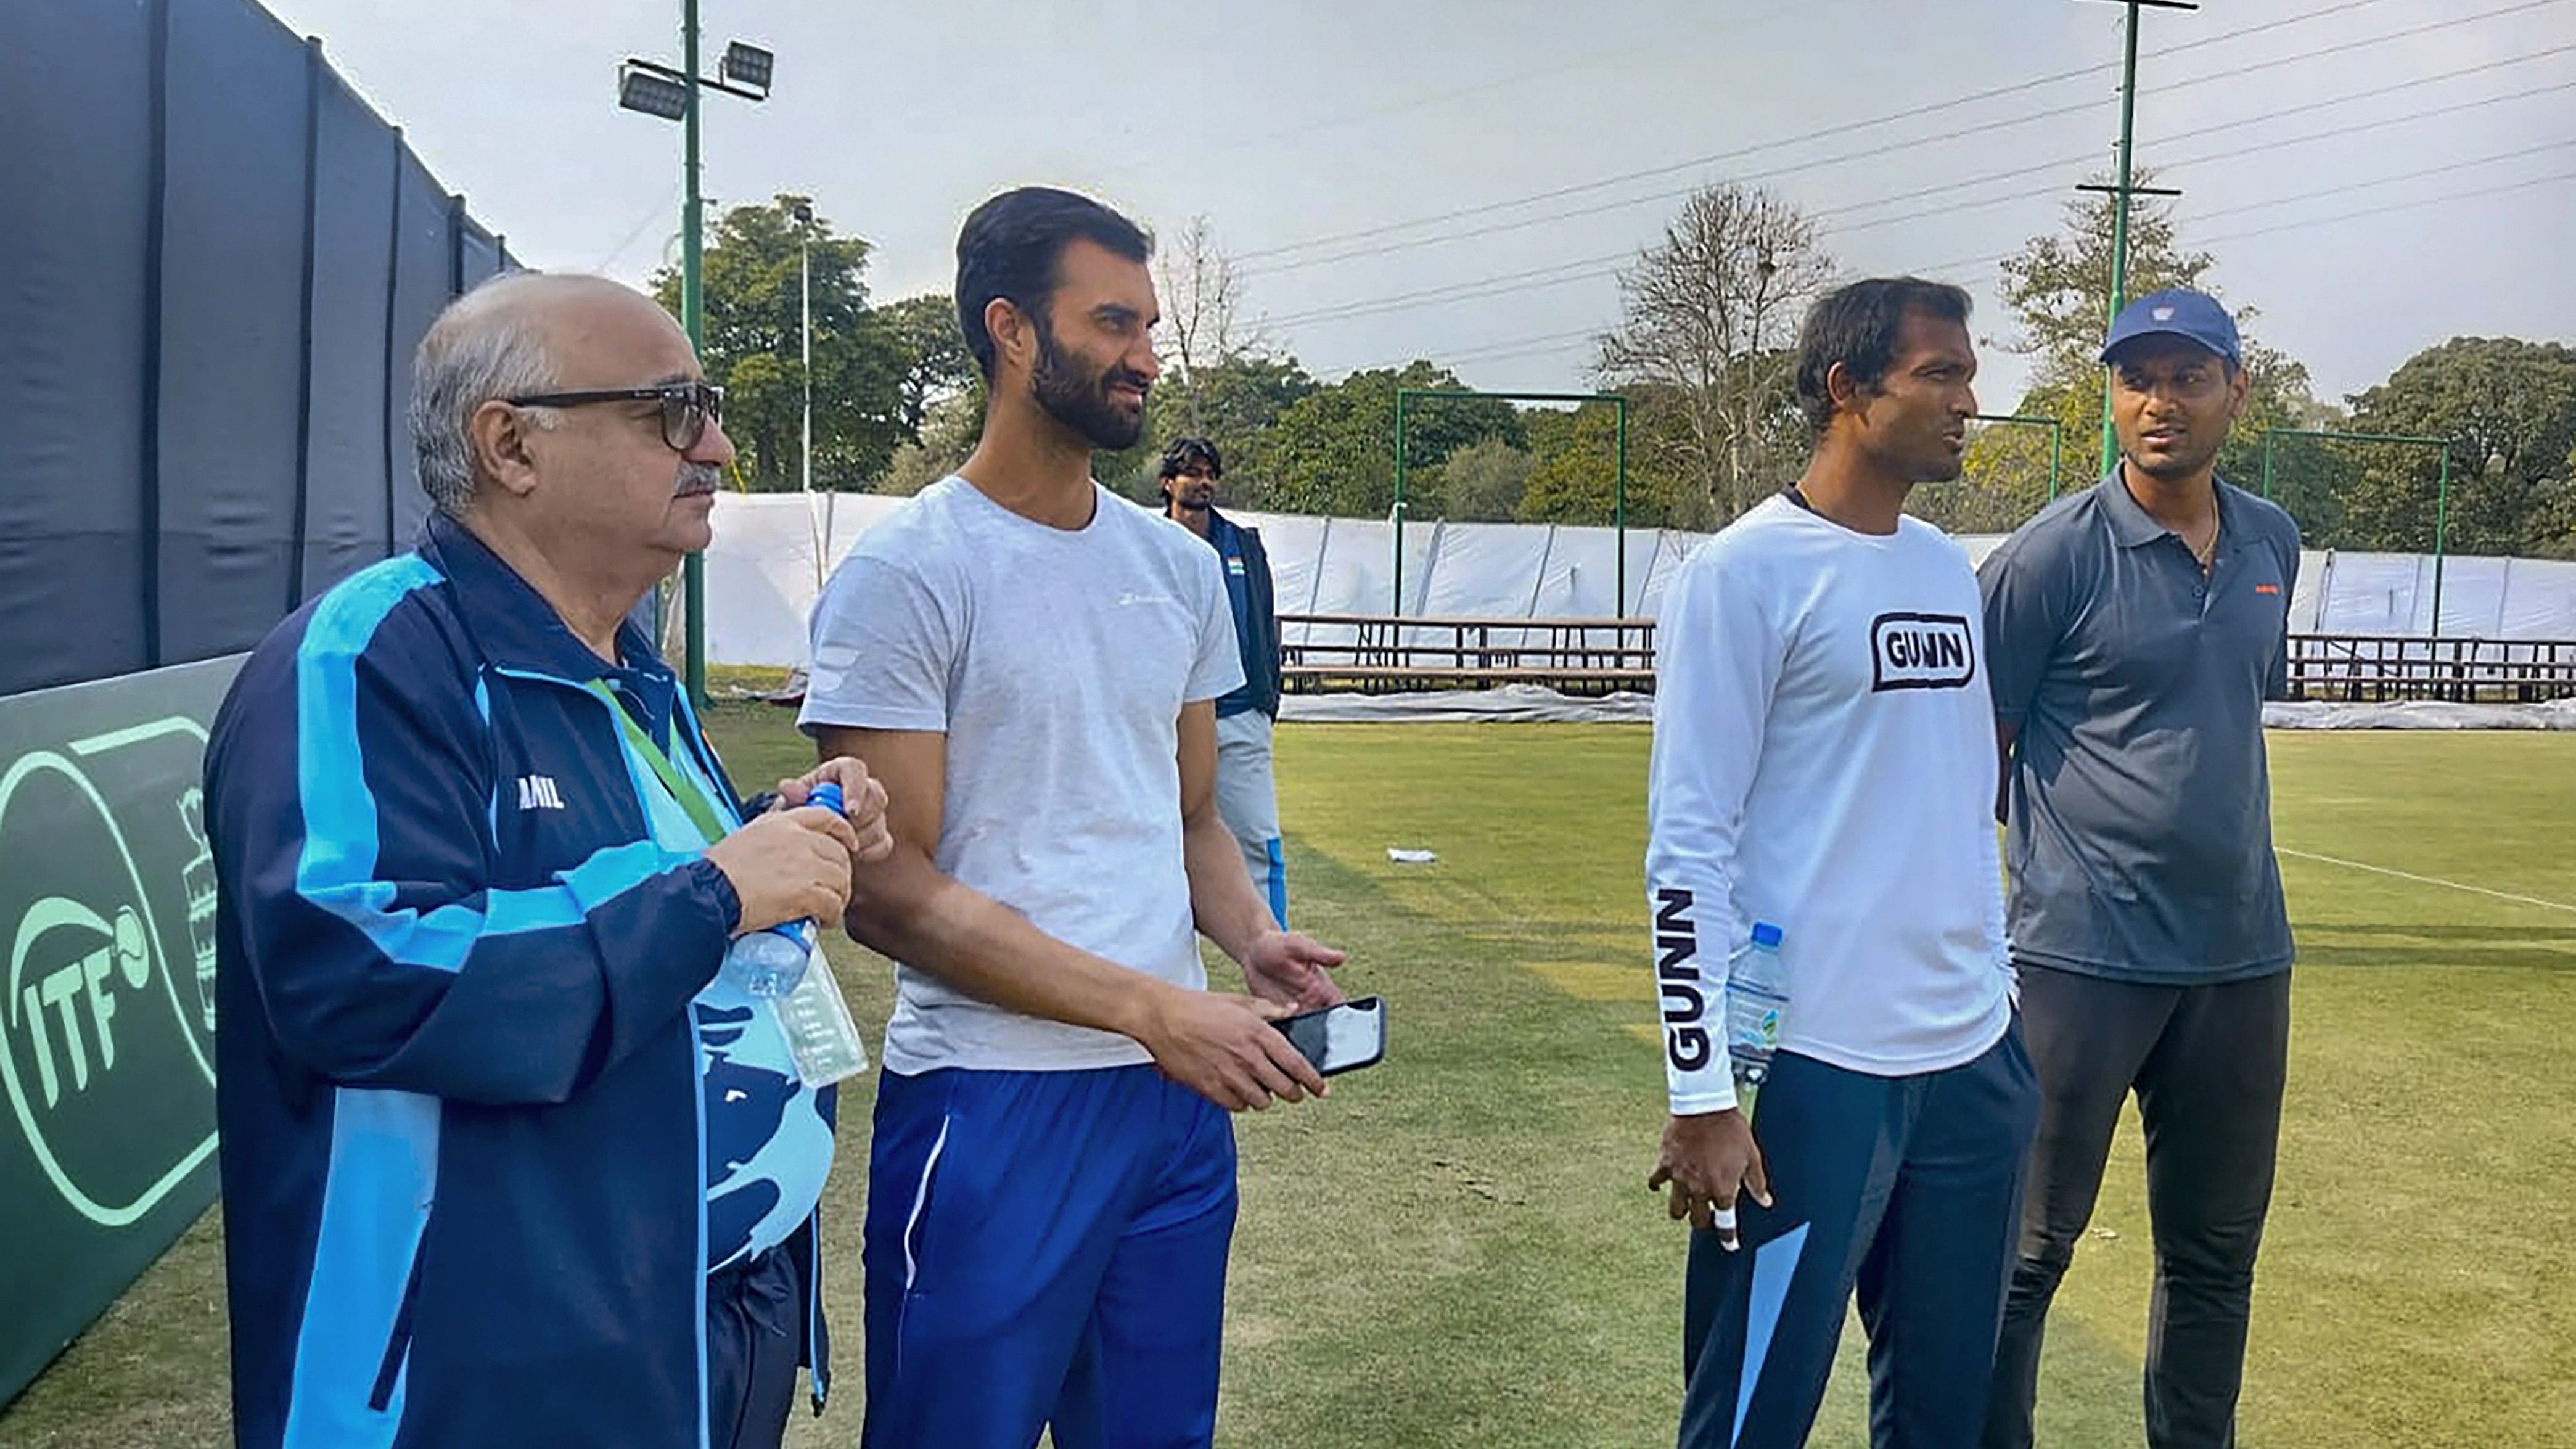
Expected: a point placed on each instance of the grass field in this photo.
(1457, 1248)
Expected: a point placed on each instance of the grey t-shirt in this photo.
(2140, 827)
(1057, 662)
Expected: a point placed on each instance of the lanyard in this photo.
(685, 791)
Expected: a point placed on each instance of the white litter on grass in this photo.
(1410, 857)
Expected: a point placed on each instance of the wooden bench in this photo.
(1385, 654)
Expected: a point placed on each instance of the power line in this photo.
(1959, 133)
(663, 207)
(1988, 262)
(1421, 101)
(1839, 129)
(1694, 163)
(2270, 202)
(1594, 268)
(2443, 199)
(1503, 351)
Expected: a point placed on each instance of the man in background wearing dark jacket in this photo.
(506, 1160)
(1246, 795)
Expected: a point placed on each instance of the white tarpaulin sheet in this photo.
(763, 573)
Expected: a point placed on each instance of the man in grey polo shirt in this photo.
(2134, 631)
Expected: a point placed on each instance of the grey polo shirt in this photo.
(2140, 827)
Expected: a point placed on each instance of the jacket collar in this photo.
(513, 626)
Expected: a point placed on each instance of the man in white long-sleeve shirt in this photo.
(1824, 761)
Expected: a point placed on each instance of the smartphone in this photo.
(1340, 1038)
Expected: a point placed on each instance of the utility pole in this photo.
(2121, 191)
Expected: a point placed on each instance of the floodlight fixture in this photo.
(642, 89)
(747, 65)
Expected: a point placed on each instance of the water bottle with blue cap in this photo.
(1757, 998)
(767, 964)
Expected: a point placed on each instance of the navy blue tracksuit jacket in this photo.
(464, 1131)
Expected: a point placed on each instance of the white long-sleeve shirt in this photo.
(1824, 759)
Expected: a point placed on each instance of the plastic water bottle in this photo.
(1757, 997)
(768, 963)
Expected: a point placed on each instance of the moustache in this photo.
(1124, 378)
(697, 478)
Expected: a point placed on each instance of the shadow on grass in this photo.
(2522, 948)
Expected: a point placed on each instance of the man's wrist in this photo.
(1137, 1012)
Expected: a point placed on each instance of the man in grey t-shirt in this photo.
(1031, 664)
(2134, 631)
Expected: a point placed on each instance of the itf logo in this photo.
(107, 914)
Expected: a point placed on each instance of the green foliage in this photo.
(2058, 285)
(2508, 408)
(876, 371)
(2005, 477)
(1482, 482)
(1577, 474)
(2055, 289)
(948, 437)
(1333, 450)
(931, 361)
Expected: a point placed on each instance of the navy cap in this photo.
(2194, 316)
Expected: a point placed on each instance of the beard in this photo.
(1080, 399)
(1940, 465)
(1931, 462)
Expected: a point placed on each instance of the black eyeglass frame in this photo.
(687, 407)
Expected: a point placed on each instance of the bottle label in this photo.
(821, 1039)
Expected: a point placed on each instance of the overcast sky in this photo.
(1562, 133)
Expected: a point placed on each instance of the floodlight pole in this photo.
(754, 78)
(693, 570)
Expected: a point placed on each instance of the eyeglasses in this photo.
(687, 407)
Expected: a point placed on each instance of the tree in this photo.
(1233, 403)
(949, 433)
(1576, 479)
(2058, 287)
(753, 340)
(2057, 290)
(929, 354)
(1709, 316)
(1483, 482)
(1204, 322)
(2004, 478)
(1333, 450)
(878, 372)
(2508, 408)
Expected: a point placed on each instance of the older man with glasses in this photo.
(507, 1158)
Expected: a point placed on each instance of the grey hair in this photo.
(481, 349)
